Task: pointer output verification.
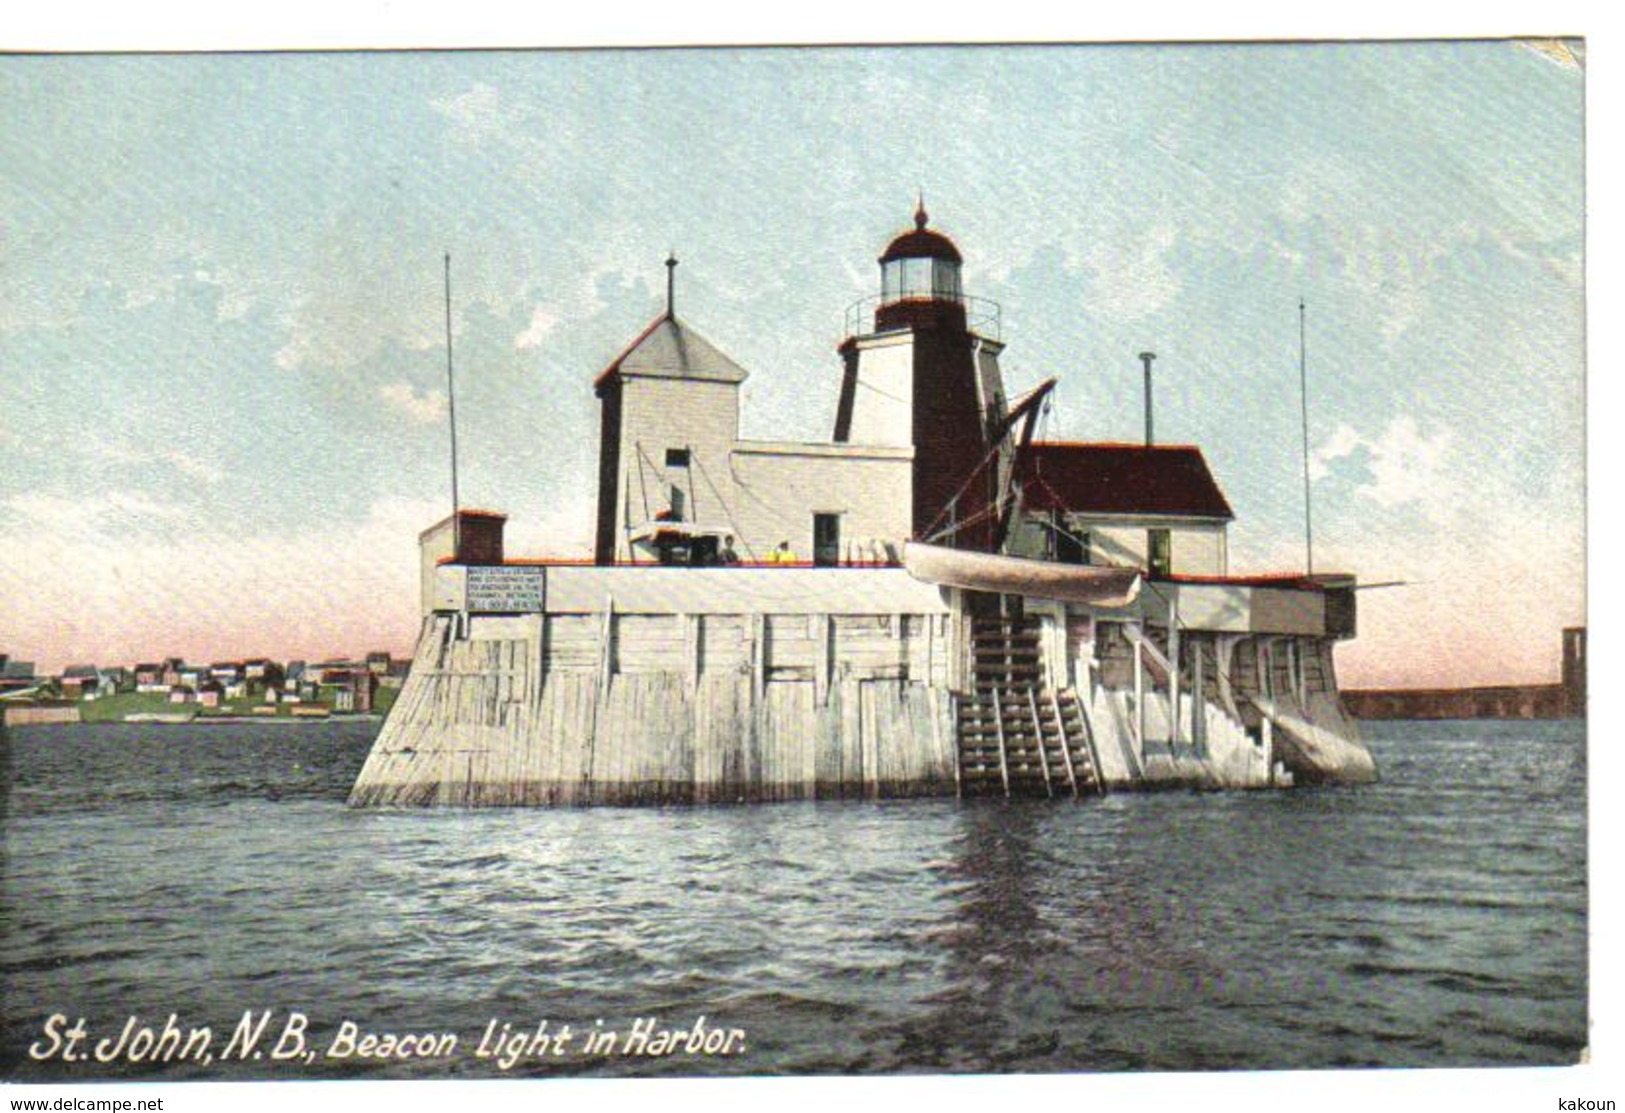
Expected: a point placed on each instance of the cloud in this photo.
(1403, 466)
(98, 511)
(127, 455)
(421, 408)
(1132, 278)
(542, 321)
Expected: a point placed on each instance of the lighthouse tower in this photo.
(921, 371)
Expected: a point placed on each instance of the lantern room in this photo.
(921, 265)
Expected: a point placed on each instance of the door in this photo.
(1162, 553)
(826, 540)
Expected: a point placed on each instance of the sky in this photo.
(222, 376)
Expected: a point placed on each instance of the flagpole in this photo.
(1303, 395)
(451, 406)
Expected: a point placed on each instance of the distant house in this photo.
(337, 669)
(17, 676)
(210, 693)
(378, 663)
(225, 671)
(117, 679)
(180, 693)
(294, 673)
(261, 671)
(80, 682)
(149, 677)
(193, 676)
(272, 697)
(172, 667)
(396, 674)
(237, 689)
(351, 689)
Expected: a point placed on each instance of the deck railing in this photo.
(982, 315)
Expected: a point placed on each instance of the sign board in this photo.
(506, 589)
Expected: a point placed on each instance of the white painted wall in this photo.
(1199, 548)
(1241, 609)
(661, 413)
(434, 545)
(587, 589)
(989, 380)
(883, 402)
(781, 486)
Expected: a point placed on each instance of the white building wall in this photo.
(658, 414)
(989, 379)
(883, 404)
(781, 486)
(1198, 548)
(434, 545)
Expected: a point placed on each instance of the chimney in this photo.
(1146, 358)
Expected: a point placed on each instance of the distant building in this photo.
(80, 682)
(210, 693)
(17, 676)
(149, 677)
(1563, 700)
(351, 690)
(1574, 672)
(172, 670)
(378, 663)
(181, 693)
(262, 672)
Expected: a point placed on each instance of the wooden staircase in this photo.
(1017, 737)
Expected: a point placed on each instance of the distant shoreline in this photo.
(149, 718)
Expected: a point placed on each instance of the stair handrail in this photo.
(998, 725)
(1066, 744)
(1089, 741)
(1038, 733)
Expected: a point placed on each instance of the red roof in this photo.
(1171, 479)
(921, 243)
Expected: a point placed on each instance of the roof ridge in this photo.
(648, 331)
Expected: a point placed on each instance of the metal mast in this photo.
(451, 406)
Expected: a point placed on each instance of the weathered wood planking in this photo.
(728, 708)
(612, 706)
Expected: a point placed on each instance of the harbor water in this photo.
(1437, 918)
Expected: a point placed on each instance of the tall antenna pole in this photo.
(671, 285)
(1303, 394)
(451, 406)
(1146, 358)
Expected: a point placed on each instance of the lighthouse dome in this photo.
(920, 264)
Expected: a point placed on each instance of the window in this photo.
(1160, 550)
(826, 539)
(1071, 544)
(677, 457)
(679, 504)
